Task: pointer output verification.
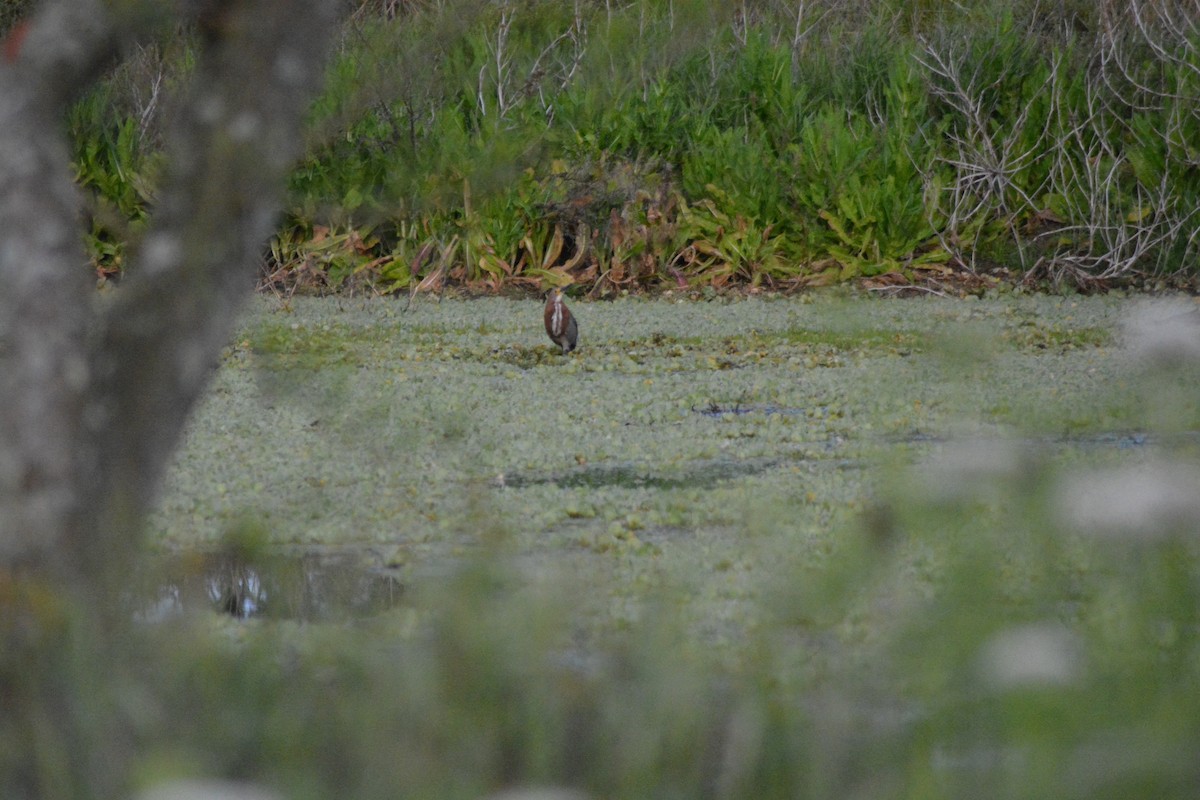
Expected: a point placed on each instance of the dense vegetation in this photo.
(673, 142)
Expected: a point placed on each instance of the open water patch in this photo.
(717, 410)
(307, 585)
(701, 474)
(1116, 440)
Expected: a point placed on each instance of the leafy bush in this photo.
(846, 140)
(113, 165)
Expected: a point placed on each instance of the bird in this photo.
(560, 324)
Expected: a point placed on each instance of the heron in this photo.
(560, 323)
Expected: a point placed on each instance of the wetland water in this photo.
(677, 433)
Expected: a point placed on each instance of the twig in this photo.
(907, 287)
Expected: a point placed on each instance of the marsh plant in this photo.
(795, 144)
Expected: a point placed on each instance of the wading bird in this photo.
(560, 325)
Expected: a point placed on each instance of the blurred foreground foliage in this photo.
(968, 641)
(989, 620)
(679, 143)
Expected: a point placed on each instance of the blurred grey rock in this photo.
(539, 793)
(1142, 502)
(208, 790)
(1038, 654)
(974, 469)
(1164, 333)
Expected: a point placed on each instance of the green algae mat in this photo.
(829, 546)
(700, 444)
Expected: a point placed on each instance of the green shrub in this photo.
(875, 137)
(112, 164)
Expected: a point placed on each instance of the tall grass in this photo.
(776, 143)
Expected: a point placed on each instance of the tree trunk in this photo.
(94, 392)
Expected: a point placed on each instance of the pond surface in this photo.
(659, 451)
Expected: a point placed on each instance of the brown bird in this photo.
(560, 324)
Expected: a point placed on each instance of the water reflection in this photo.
(308, 586)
